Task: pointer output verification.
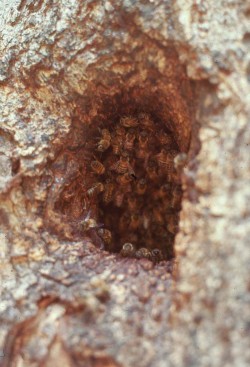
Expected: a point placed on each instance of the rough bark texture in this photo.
(65, 65)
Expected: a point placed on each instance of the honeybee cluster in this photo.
(129, 250)
(134, 187)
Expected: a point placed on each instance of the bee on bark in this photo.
(141, 186)
(108, 191)
(129, 140)
(143, 253)
(88, 223)
(128, 250)
(97, 167)
(105, 141)
(95, 190)
(123, 165)
(129, 121)
(156, 255)
(105, 235)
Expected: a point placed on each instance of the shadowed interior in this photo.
(120, 167)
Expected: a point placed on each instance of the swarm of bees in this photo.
(134, 167)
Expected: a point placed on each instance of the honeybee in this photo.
(105, 235)
(123, 165)
(129, 121)
(118, 199)
(143, 252)
(97, 167)
(142, 151)
(132, 202)
(88, 223)
(146, 121)
(128, 250)
(125, 179)
(165, 139)
(156, 255)
(106, 134)
(152, 170)
(141, 186)
(143, 138)
(117, 144)
(163, 191)
(108, 192)
(120, 131)
(129, 140)
(180, 161)
(164, 159)
(142, 115)
(172, 225)
(105, 141)
(174, 177)
(95, 190)
(134, 221)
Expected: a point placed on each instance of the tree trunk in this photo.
(67, 69)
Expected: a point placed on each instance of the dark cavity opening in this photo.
(134, 187)
(119, 171)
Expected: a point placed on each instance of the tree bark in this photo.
(64, 67)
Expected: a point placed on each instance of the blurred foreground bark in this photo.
(64, 302)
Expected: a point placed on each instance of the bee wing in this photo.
(88, 215)
(97, 240)
(100, 225)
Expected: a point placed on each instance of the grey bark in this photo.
(64, 302)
